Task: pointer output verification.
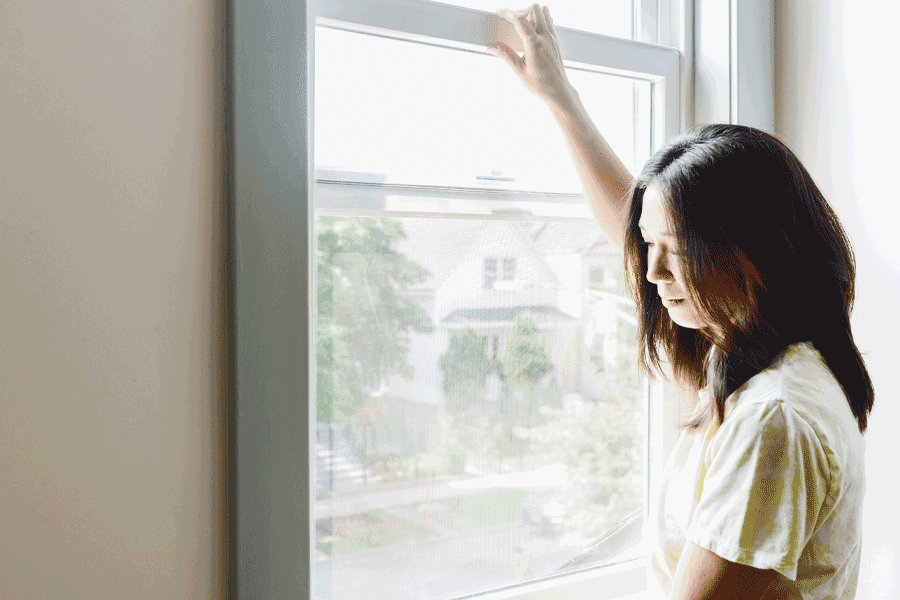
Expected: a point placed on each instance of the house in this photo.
(566, 276)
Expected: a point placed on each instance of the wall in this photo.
(111, 295)
(836, 106)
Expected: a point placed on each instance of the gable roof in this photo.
(505, 313)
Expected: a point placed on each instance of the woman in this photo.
(743, 278)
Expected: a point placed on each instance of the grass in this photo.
(364, 531)
(494, 507)
(378, 528)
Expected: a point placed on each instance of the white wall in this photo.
(838, 106)
(111, 291)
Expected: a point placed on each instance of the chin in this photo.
(686, 323)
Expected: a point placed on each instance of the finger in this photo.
(528, 13)
(507, 54)
(552, 30)
(522, 25)
(529, 16)
(540, 20)
(549, 21)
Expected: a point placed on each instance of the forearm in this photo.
(605, 179)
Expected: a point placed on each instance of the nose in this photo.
(657, 266)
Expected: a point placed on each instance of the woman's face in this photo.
(663, 261)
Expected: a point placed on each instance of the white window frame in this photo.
(269, 83)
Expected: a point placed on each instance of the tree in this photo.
(364, 319)
(465, 366)
(525, 359)
(523, 366)
(525, 363)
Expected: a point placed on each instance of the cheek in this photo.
(695, 315)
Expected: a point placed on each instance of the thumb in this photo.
(507, 54)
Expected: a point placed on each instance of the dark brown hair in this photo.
(764, 257)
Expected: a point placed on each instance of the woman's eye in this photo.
(672, 252)
(648, 245)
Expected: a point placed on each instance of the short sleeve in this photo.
(767, 477)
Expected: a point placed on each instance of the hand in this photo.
(541, 68)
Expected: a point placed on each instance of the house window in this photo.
(509, 269)
(490, 273)
(491, 345)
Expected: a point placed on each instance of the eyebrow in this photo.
(664, 233)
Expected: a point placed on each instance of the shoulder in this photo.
(770, 429)
(796, 401)
(800, 379)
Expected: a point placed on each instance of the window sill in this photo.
(626, 580)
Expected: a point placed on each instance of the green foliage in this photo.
(525, 360)
(524, 364)
(465, 366)
(364, 319)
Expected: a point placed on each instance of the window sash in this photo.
(468, 29)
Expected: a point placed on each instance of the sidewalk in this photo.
(364, 500)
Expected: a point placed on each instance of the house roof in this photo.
(505, 313)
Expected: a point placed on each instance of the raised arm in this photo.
(603, 176)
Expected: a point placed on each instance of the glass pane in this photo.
(398, 112)
(479, 413)
(607, 17)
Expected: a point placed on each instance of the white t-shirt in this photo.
(778, 485)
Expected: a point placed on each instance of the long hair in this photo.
(763, 256)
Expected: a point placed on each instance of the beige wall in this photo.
(111, 291)
(836, 103)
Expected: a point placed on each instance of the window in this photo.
(285, 464)
(491, 276)
(456, 466)
(509, 269)
(490, 273)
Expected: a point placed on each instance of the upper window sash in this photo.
(469, 29)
